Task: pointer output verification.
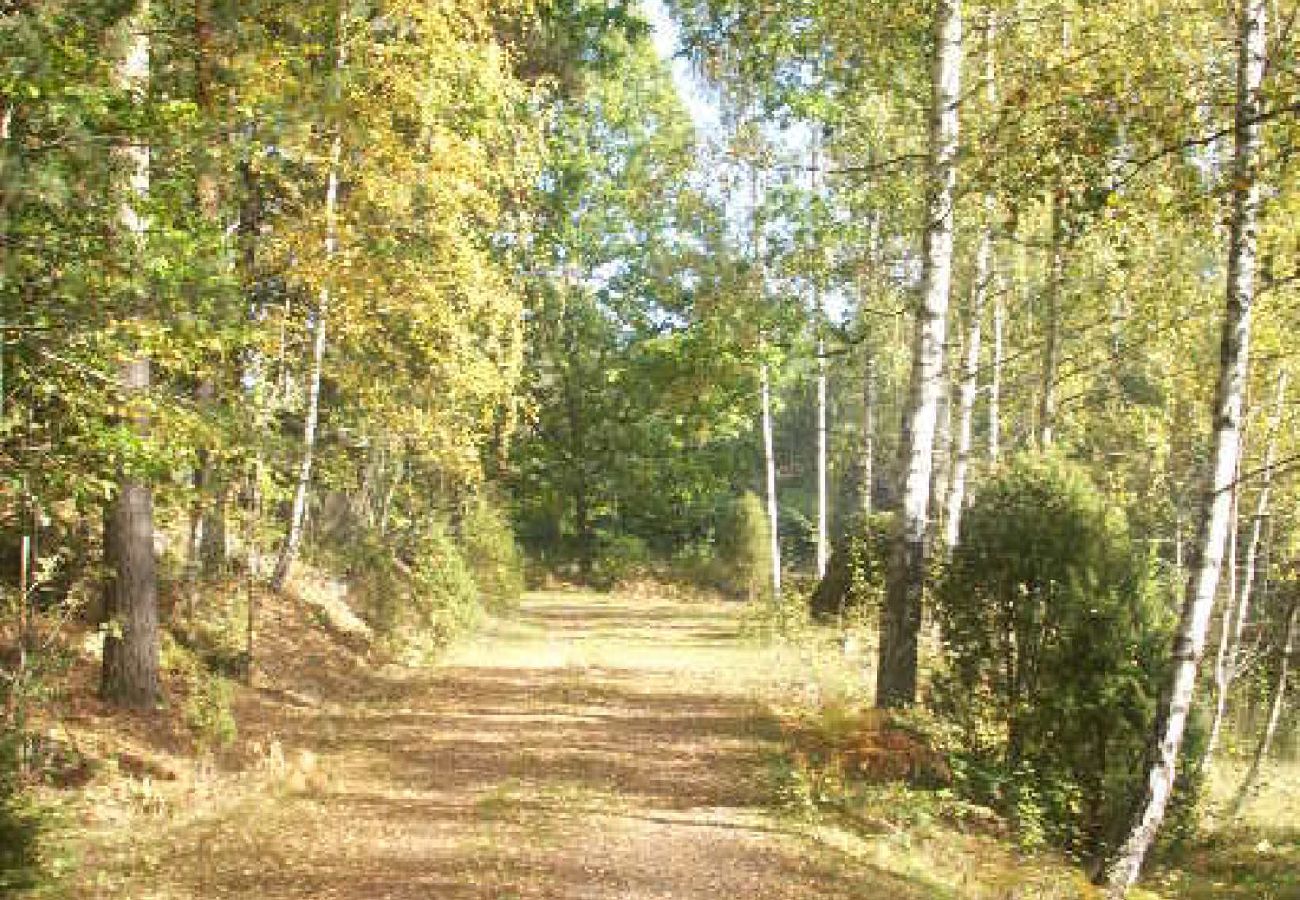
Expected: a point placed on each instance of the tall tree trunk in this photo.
(969, 388)
(1222, 678)
(1189, 644)
(1052, 327)
(1274, 713)
(823, 491)
(298, 514)
(995, 379)
(769, 465)
(979, 296)
(901, 621)
(130, 673)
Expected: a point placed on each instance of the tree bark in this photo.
(905, 582)
(1189, 643)
(298, 514)
(130, 671)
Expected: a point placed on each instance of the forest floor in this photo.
(593, 747)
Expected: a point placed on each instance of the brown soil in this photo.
(592, 748)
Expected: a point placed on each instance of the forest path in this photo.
(592, 747)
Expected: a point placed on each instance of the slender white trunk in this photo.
(979, 297)
(1245, 593)
(1222, 678)
(901, 621)
(1189, 644)
(769, 464)
(1237, 612)
(1274, 713)
(969, 388)
(298, 514)
(868, 430)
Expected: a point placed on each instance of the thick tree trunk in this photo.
(1274, 713)
(901, 621)
(130, 673)
(1189, 644)
(969, 387)
(769, 465)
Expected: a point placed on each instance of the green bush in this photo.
(1057, 646)
(745, 547)
(493, 556)
(419, 599)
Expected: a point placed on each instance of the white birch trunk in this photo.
(1245, 593)
(769, 465)
(298, 514)
(1222, 680)
(995, 380)
(974, 336)
(1189, 644)
(901, 621)
(1237, 612)
(966, 399)
(1274, 714)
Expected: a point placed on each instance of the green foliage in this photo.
(493, 556)
(208, 712)
(745, 547)
(421, 598)
(1056, 640)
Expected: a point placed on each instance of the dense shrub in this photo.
(744, 546)
(493, 556)
(421, 597)
(1057, 644)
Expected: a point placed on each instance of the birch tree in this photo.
(298, 513)
(901, 620)
(1189, 641)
